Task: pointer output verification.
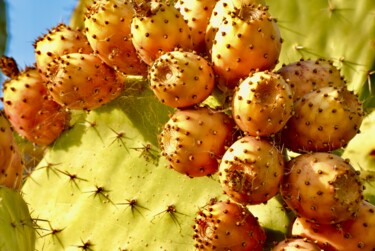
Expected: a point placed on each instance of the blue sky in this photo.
(26, 20)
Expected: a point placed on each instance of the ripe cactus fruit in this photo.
(107, 27)
(322, 187)
(181, 79)
(158, 27)
(11, 165)
(194, 139)
(296, 244)
(83, 81)
(305, 76)
(354, 234)
(251, 170)
(226, 225)
(59, 40)
(197, 14)
(248, 39)
(31, 113)
(17, 230)
(262, 104)
(218, 14)
(324, 120)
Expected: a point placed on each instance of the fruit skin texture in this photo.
(32, 114)
(305, 76)
(197, 14)
(107, 27)
(221, 9)
(83, 81)
(227, 226)
(322, 187)
(181, 79)
(194, 139)
(262, 104)
(355, 234)
(251, 170)
(11, 166)
(323, 120)
(247, 40)
(296, 244)
(159, 27)
(59, 40)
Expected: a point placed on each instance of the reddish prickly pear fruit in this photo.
(262, 104)
(323, 120)
(251, 170)
(9, 67)
(221, 9)
(31, 113)
(158, 27)
(59, 40)
(248, 39)
(197, 14)
(305, 76)
(11, 165)
(83, 81)
(227, 226)
(354, 234)
(181, 79)
(107, 27)
(194, 139)
(296, 244)
(322, 187)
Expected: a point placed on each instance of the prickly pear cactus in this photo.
(103, 185)
(17, 231)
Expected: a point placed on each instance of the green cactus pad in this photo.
(361, 153)
(17, 230)
(339, 30)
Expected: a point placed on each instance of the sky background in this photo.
(26, 20)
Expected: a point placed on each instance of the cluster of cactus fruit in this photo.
(245, 136)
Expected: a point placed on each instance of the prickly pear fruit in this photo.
(248, 39)
(159, 27)
(17, 230)
(354, 234)
(262, 104)
(181, 79)
(251, 170)
(107, 27)
(194, 139)
(83, 81)
(305, 76)
(221, 9)
(59, 40)
(324, 120)
(296, 244)
(197, 14)
(322, 187)
(9, 66)
(227, 226)
(11, 165)
(31, 113)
